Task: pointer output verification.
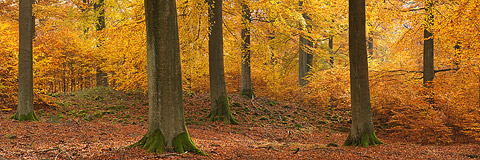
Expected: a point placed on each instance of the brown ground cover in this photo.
(99, 123)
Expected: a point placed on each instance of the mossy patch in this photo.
(183, 143)
(222, 112)
(154, 143)
(28, 117)
(365, 140)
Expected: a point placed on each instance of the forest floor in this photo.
(98, 124)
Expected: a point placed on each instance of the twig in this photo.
(296, 151)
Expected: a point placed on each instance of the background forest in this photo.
(70, 50)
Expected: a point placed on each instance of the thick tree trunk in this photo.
(100, 25)
(25, 65)
(246, 67)
(361, 132)
(220, 109)
(166, 123)
(428, 65)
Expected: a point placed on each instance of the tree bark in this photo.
(428, 54)
(100, 25)
(361, 131)
(246, 67)
(25, 108)
(166, 122)
(332, 53)
(220, 109)
(305, 57)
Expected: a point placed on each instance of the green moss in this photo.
(183, 143)
(28, 117)
(365, 140)
(154, 143)
(333, 144)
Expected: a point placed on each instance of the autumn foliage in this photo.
(68, 50)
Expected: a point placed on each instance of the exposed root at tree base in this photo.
(183, 143)
(28, 117)
(367, 139)
(156, 143)
(152, 143)
(222, 111)
(228, 119)
(247, 93)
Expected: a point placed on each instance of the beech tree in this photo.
(246, 67)
(361, 131)
(305, 57)
(332, 52)
(166, 121)
(99, 5)
(220, 109)
(428, 67)
(25, 65)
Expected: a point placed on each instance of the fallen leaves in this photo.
(74, 137)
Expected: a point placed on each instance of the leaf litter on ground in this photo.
(87, 127)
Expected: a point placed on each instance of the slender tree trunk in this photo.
(100, 25)
(25, 65)
(166, 122)
(218, 90)
(361, 131)
(305, 57)
(246, 67)
(332, 53)
(428, 65)
(370, 45)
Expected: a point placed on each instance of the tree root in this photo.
(28, 117)
(156, 143)
(227, 119)
(152, 143)
(365, 140)
(222, 111)
(183, 143)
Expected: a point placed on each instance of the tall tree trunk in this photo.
(246, 67)
(218, 90)
(428, 65)
(332, 53)
(25, 65)
(100, 25)
(361, 131)
(166, 122)
(305, 57)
